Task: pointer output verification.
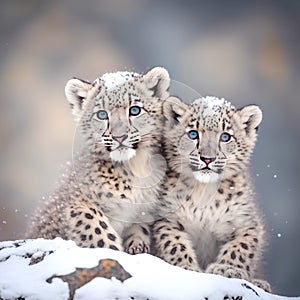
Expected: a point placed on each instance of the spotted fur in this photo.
(215, 225)
(109, 192)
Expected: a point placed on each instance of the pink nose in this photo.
(120, 138)
(207, 160)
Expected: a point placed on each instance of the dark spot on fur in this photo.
(160, 228)
(111, 237)
(228, 198)
(232, 255)
(73, 214)
(79, 223)
(167, 244)
(180, 226)
(93, 210)
(89, 216)
(173, 251)
(130, 244)
(97, 230)
(182, 247)
(163, 236)
(100, 243)
(113, 247)
(145, 231)
(245, 246)
(103, 224)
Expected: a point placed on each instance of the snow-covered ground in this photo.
(32, 269)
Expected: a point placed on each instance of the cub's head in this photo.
(212, 138)
(120, 113)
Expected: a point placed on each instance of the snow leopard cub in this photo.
(108, 194)
(215, 225)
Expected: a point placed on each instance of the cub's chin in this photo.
(122, 154)
(206, 176)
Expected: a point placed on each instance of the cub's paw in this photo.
(262, 284)
(227, 271)
(136, 246)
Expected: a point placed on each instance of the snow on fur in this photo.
(112, 80)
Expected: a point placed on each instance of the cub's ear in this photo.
(251, 117)
(76, 92)
(174, 109)
(157, 80)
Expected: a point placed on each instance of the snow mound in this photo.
(57, 269)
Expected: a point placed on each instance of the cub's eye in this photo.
(193, 134)
(102, 115)
(225, 137)
(134, 110)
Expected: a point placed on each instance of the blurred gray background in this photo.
(245, 51)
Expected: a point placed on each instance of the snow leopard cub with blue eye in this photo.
(215, 225)
(109, 193)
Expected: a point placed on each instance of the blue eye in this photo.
(102, 115)
(193, 134)
(134, 110)
(225, 137)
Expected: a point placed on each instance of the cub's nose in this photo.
(120, 138)
(207, 160)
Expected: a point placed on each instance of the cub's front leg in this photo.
(238, 258)
(172, 244)
(137, 239)
(89, 227)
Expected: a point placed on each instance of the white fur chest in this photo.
(136, 198)
(205, 221)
